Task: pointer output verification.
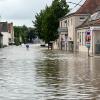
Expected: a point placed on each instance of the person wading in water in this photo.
(27, 46)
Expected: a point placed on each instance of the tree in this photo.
(38, 23)
(47, 21)
(23, 34)
(31, 35)
(17, 35)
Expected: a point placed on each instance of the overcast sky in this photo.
(22, 12)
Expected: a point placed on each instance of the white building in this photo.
(6, 38)
(7, 32)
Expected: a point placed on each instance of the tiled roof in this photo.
(67, 15)
(90, 23)
(88, 7)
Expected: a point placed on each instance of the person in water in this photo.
(27, 46)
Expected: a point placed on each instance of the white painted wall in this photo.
(70, 25)
(95, 35)
(72, 22)
(6, 37)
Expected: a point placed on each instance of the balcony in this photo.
(62, 29)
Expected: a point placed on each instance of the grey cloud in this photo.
(22, 10)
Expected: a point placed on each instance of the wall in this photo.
(1, 41)
(6, 37)
(81, 44)
(11, 31)
(71, 23)
(79, 19)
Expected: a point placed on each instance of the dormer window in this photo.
(68, 22)
(95, 16)
(82, 18)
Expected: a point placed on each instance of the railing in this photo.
(63, 29)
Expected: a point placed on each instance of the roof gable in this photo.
(90, 23)
(88, 7)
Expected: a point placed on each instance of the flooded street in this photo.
(39, 74)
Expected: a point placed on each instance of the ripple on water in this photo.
(39, 74)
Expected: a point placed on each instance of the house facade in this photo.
(71, 32)
(67, 32)
(91, 26)
(11, 31)
(7, 33)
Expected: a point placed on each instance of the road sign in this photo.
(88, 39)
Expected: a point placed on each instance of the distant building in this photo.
(6, 29)
(1, 40)
(11, 31)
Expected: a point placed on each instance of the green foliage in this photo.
(31, 35)
(47, 21)
(17, 41)
(23, 34)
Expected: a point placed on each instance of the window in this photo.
(60, 24)
(71, 21)
(9, 40)
(80, 38)
(66, 23)
(82, 18)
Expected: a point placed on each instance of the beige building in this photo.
(11, 31)
(71, 30)
(68, 24)
(92, 25)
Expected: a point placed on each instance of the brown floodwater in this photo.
(41, 74)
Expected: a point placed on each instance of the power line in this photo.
(76, 4)
(73, 3)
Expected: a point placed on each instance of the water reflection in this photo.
(39, 74)
(67, 78)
